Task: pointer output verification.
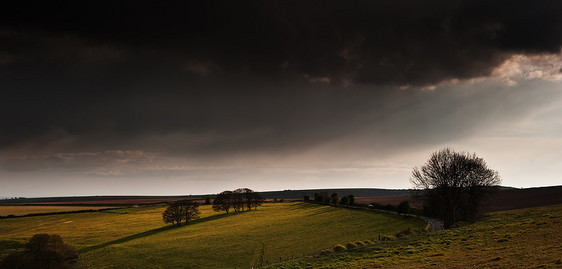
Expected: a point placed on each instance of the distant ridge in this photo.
(285, 194)
(363, 192)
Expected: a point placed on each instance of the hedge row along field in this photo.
(137, 237)
(524, 238)
(21, 210)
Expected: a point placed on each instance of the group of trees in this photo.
(453, 185)
(179, 211)
(450, 185)
(333, 199)
(42, 251)
(237, 200)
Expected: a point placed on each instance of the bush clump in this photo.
(42, 251)
(360, 243)
(405, 232)
(386, 237)
(339, 248)
(350, 245)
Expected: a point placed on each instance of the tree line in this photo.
(324, 198)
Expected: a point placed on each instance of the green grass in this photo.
(527, 238)
(19, 210)
(137, 237)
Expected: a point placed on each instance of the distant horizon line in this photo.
(187, 195)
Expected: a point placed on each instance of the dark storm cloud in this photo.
(404, 42)
(244, 75)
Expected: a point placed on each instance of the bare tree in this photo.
(454, 184)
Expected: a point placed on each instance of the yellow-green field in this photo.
(137, 237)
(18, 210)
(526, 238)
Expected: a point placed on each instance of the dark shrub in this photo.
(386, 237)
(405, 232)
(351, 199)
(360, 243)
(42, 251)
(403, 207)
(389, 207)
(339, 248)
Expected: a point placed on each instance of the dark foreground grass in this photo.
(137, 237)
(526, 238)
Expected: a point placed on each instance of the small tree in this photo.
(306, 198)
(253, 199)
(334, 199)
(174, 213)
(351, 199)
(318, 197)
(238, 196)
(403, 207)
(259, 201)
(208, 200)
(190, 210)
(344, 201)
(223, 201)
(454, 184)
(326, 199)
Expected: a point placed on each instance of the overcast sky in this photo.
(198, 97)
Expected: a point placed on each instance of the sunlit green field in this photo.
(19, 210)
(137, 237)
(527, 238)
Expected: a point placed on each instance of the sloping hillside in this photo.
(524, 238)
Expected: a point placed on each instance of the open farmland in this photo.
(137, 237)
(523, 238)
(6, 210)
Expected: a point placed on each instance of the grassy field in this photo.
(18, 210)
(137, 237)
(525, 238)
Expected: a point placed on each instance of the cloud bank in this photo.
(265, 90)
